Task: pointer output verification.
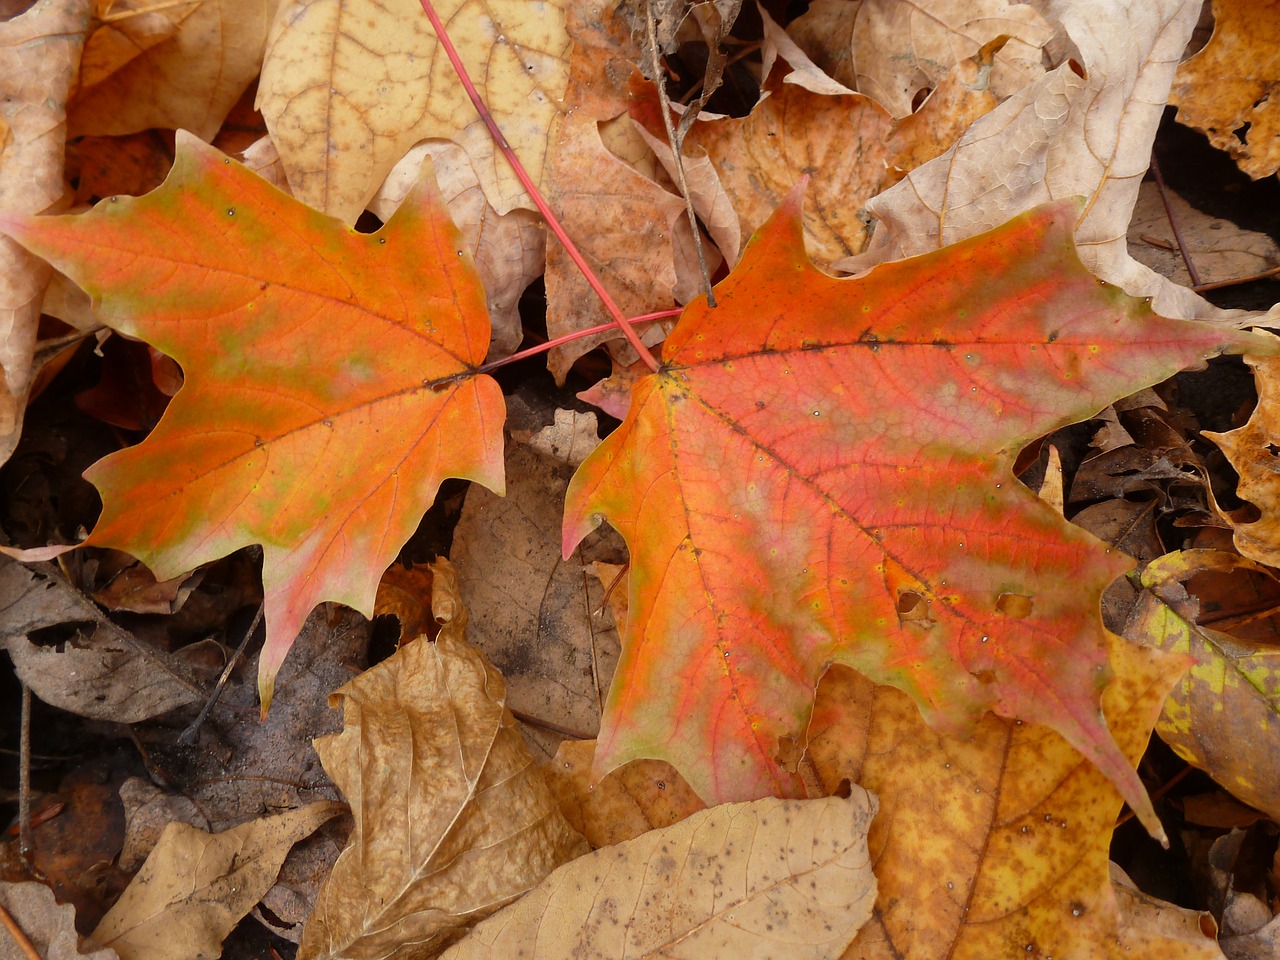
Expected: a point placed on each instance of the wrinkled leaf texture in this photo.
(327, 391)
(821, 472)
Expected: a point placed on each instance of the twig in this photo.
(620, 319)
(20, 938)
(568, 337)
(1219, 284)
(26, 844)
(533, 721)
(192, 732)
(677, 147)
(1173, 222)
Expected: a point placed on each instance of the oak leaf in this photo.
(821, 473)
(774, 878)
(325, 395)
(453, 818)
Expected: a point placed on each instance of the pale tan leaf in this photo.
(348, 86)
(49, 926)
(196, 886)
(172, 67)
(774, 878)
(1065, 135)
(40, 52)
(901, 47)
(452, 817)
(1230, 90)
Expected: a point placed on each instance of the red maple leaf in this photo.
(821, 473)
(328, 380)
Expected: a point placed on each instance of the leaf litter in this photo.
(978, 77)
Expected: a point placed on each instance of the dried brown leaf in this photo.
(773, 878)
(452, 817)
(196, 886)
(48, 925)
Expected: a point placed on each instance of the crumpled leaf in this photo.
(784, 878)
(1230, 90)
(348, 86)
(1064, 135)
(1224, 716)
(322, 404)
(453, 818)
(196, 886)
(821, 473)
(41, 52)
(1252, 451)
(900, 47)
(994, 844)
(48, 925)
(104, 672)
(180, 66)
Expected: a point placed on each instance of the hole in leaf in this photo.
(910, 602)
(1078, 69)
(1272, 449)
(985, 676)
(1241, 132)
(921, 96)
(1014, 605)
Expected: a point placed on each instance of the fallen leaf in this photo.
(49, 926)
(1156, 928)
(1229, 90)
(41, 51)
(901, 47)
(453, 819)
(775, 878)
(509, 249)
(634, 798)
(196, 886)
(1065, 135)
(348, 86)
(873, 518)
(101, 671)
(172, 66)
(1252, 451)
(1232, 687)
(147, 811)
(322, 404)
(570, 439)
(993, 845)
(535, 614)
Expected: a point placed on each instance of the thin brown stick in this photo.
(677, 147)
(1235, 281)
(19, 937)
(192, 732)
(26, 843)
(1173, 222)
(533, 721)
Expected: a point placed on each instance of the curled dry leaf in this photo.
(48, 925)
(1064, 135)
(453, 819)
(1224, 716)
(901, 47)
(772, 879)
(103, 672)
(196, 886)
(1252, 451)
(1229, 90)
(994, 845)
(40, 50)
(343, 82)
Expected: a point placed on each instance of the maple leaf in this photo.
(821, 472)
(324, 399)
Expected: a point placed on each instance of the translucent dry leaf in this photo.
(901, 47)
(453, 819)
(174, 66)
(1064, 135)
(40, 52)
(48, 925)
(196, 886)
(994, 845)
(774, 878)
(348, 86)
(1230, 90)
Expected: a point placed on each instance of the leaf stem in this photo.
(568, 337)
(619, 318)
